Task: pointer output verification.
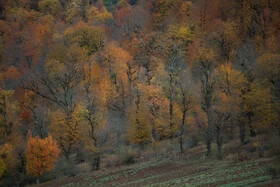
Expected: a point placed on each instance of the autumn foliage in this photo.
(41, 154)
(102, 74)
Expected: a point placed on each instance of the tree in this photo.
(66, 128)
(77, 9)
(122, 4)
(168, 12)
(182, 35)
(93, 112)
(41, 154)
(226, 108)
(8, 111)
(139, 129)
(204, 69)
(88, 37)
(154, 99)
(59, 84)
(178, 40)
(266, 110)
(7, 159)
(33, 109)
(118, 64)
(147, 49)
(229, 39)
(172, 70)
(205, 14)
(52, 7)
(244, 62)
(99, 15)
(131, 20)
(268, 74)
(185, 101)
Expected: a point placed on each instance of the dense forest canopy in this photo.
(82, 79)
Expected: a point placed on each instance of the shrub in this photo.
(66, 167)
(127, 155)
(230, 158)
(192, 141)
(110, 160)
(242, 156)
(274, 147)
(274, 170)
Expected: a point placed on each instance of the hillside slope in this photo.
(179, 172)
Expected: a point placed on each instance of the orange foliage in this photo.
(41, 154)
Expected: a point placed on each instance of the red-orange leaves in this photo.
(25, 115)
(41, 154)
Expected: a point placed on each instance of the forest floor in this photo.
(187, 169)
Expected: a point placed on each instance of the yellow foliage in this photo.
(55, 67)
(92, 74)
(116, 60)
(157, 105)
(56, 63)
(3, 167)
(122, 3)
(66, 128)
(68, 33)
(139, 130)
(257, 143)
(181, 34)
(96, 15)
(230, 39)
(269, 67)
(7, 159)
(50, 6)
(205, 57)
(230, 83)
(261, 102)
(76, 9)
(92, 149)
(9, 115)
(89, 37)
(29, 96)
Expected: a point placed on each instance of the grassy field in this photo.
(183, 170)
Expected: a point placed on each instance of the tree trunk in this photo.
(37, 181)
(171, 105)
(5, 116)
(96, 163)
(123, 96)
(219, 142)
(231, 133)
(154, 135)
(279, 134)
(208, 142)
(242, 133)
(182, 128)
(252, 132)
(181, 144)
(171, 117)
(209, 133)
(148, 74)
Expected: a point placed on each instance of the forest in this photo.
(113, 82)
